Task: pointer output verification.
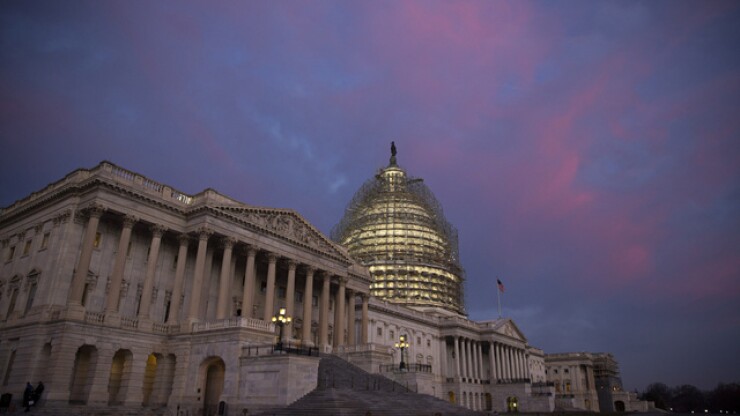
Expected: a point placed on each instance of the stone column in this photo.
(443, 358)
(224, 282)
(351, 327)
(492, 362)
(457, 358)
(521, 363)
(290, 298)
(270, 292)
(249, 283)
(77, 287)
(502, 361)
(182, 256)
(151, 268)
(290, 292)
(114, 291)
(479, 354)
(509, 366)
(324, 311)
(307, 307)
(464, 358)
(474, 359)
(469, 355)
(364, 324)
(339, 313)
(200, 265)
(505, 361)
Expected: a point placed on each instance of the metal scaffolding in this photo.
(395, 226)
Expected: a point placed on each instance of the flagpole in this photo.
(498, 295)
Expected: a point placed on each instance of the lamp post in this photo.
(402, 344)
(281, 319)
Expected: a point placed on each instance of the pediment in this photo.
(508, 327)
(290, 225)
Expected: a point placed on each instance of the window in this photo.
(429, 342)
(418, 340)
(27, 247)
(263, 286)
(566, 371)
(315, 301)
(11, 253)
(380, 332)
(391, 334)
(13, 298)
(96, 242)
(45, 241)
(281, 292)
(299, 297)
(29, 300)
(174, 261)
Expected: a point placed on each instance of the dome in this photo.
(394, 226)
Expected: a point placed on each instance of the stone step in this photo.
(346, 390)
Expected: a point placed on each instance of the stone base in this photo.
(276, 380)
(75, 313)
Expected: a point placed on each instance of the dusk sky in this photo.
(588, 152)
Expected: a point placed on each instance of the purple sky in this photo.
(587, 152)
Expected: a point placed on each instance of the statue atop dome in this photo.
(393, 154)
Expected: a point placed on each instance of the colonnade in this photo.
(507, 363)
(344, 298)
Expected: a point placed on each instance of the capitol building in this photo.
(121, 292)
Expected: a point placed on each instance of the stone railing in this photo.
(129, 322)
(127, 177)
(158, 328)
(94, 317)
(407, 368)
(111, 172)
(236, 322)
(370, 347)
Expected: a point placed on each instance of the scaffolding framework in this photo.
(395, 226)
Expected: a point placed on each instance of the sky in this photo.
(588, 152)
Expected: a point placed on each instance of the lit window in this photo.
(96, 242)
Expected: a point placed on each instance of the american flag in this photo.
(500, 285)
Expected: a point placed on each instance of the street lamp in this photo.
(402, 344)
(281, 319)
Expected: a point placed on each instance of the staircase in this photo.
(346, 390)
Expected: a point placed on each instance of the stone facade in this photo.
(589, 381)
(119, 291)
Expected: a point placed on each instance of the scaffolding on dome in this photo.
(396, 227)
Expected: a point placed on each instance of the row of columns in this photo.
(344, 312)
(508, 362)
(505, 361)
